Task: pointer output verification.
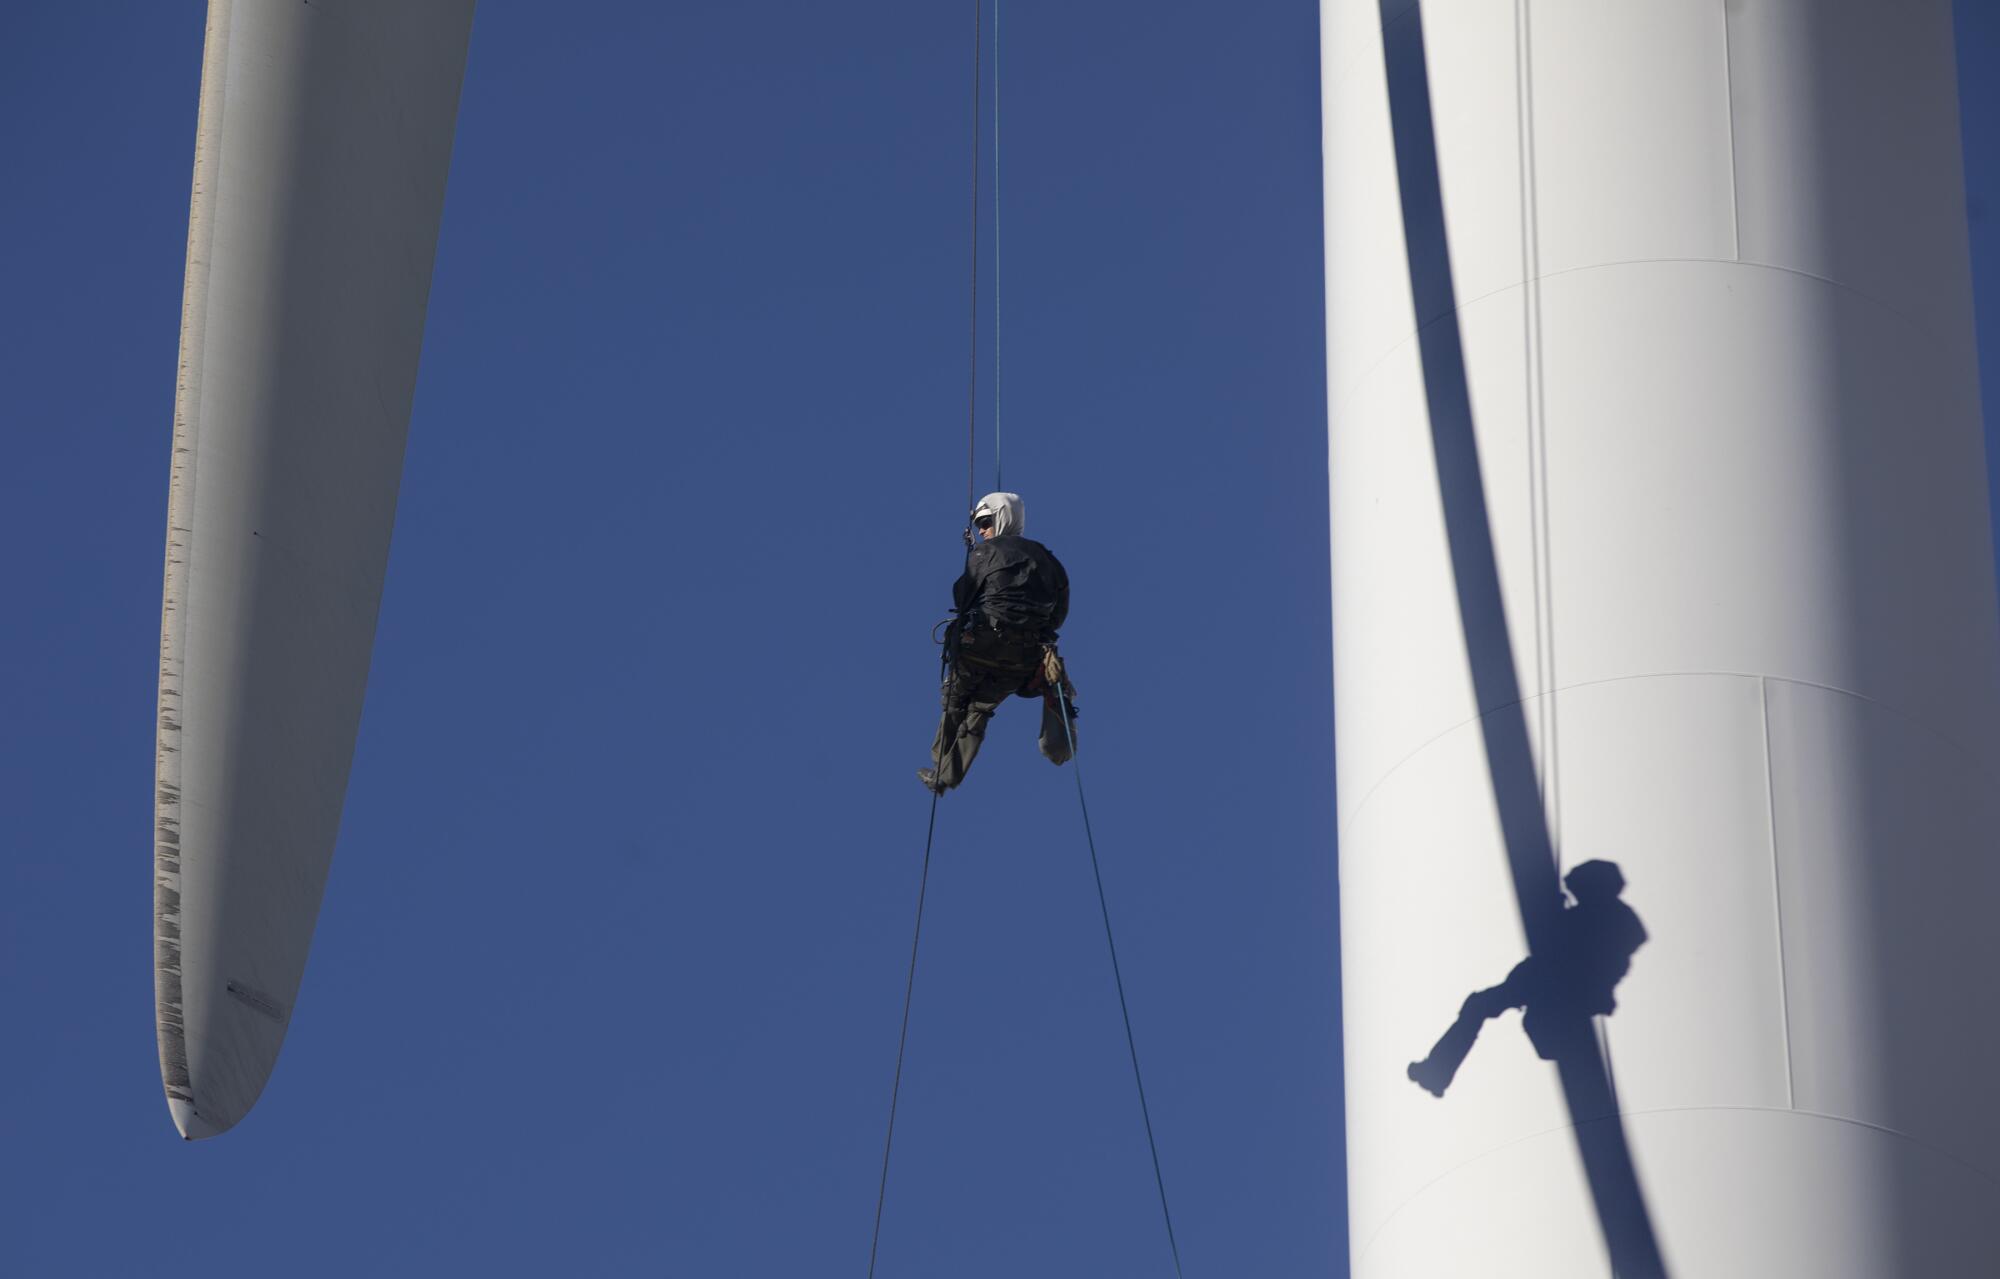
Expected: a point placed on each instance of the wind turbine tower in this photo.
(1660, 538)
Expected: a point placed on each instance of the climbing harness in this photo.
(1046, 677)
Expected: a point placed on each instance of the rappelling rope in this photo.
(1059, 681)
(972, 369)
(971, 496)
(902, 1039)
(1052, 672)
(998, 486)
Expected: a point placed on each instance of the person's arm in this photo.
(966, 589)
(1062, 593)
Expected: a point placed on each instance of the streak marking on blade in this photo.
(257, 999)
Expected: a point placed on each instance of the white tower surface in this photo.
(1660, 537)
(321, 152)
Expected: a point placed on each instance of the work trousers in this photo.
(971, 695)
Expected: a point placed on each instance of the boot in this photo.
(1429, 1078)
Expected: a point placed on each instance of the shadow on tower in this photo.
(1561, 987)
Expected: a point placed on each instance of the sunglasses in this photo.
(983, 521)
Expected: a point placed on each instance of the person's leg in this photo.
(1435, 1072)
(968, 705)
(1518, 991)
(1056, 743)
(948, 725)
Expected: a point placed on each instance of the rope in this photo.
(971, 496)
(972, 372)
(1124, 1009)
(902, 1040)
(1057, 676)
(998, 487)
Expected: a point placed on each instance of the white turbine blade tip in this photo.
(192, 1126)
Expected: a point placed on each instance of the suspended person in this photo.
(1009, 603)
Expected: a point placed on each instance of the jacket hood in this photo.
(1009, 515)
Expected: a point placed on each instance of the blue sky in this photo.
(609, 970)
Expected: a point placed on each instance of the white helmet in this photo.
(1005, 511)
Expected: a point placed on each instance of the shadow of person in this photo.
(1592, 940)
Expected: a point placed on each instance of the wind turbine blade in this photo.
(321, 152)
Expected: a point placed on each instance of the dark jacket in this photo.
(1014, 584)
